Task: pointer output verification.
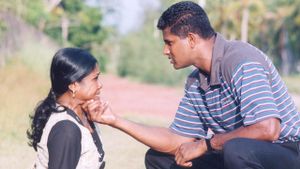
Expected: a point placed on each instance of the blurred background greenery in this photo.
(127, 45)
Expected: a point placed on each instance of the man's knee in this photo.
(237, 147)
(155, 159)
(238, 151)
(234, 145)
(150, 157)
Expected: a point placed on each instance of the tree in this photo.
(73, 22)
(283, 29)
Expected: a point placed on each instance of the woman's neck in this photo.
(75, 105)
(71, 103)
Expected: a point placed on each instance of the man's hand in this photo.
(188, 151)
(99, 111)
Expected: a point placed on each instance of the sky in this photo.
(126, 15)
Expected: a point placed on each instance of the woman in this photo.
(60, 131)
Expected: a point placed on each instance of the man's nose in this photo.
(100, 85)
(166, 50)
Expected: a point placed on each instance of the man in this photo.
(235, 92)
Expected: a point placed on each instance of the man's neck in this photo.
(205, 52)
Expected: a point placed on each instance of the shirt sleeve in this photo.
(187, 121)
(253, 89)
(64, 145)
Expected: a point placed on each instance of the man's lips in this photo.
(171, 60)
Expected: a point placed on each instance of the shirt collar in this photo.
(61, 108)
(74, 115)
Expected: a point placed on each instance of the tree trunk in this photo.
(285, 54)
(64, 29)
(245, 20)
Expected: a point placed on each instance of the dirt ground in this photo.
(126, 96)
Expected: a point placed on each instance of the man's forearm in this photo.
(158, 138)
(267, 130)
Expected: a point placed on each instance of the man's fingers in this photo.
(85, 105)
(92, 107)
(180, 158)
(187, 164)
(105, 106)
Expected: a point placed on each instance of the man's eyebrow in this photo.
(167, 41)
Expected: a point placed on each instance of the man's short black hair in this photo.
(184, 17)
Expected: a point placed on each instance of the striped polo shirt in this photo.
(243, 88)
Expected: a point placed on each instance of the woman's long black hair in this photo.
(68, 65)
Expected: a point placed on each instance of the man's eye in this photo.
(168, 43)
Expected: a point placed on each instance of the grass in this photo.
(20, 89)
(293, 83)
(123, 151)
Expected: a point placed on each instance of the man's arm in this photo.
(158, 138)
(267, 130)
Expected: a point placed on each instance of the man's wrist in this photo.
(208, 144)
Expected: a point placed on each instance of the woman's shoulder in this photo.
(65, 129)
(58, 117)
(60, 122)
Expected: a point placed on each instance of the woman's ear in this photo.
(74, 87)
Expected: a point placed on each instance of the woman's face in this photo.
(89, 86)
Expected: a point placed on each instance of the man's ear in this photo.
(192, 39)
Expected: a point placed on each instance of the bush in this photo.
(141, 57)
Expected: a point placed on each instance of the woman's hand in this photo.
(99, 111)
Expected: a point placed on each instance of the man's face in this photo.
(177, 49)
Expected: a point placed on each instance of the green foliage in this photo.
(101, 56)
(54, 33)
(3, 28)
(72, 6)
(35, 12)
(266, 21)
(141, 52)
(85, 27)
(294, 27)
(141, 57)
(84, 30)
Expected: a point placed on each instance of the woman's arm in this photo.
(64, 145)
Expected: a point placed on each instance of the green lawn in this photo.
(293, 83)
